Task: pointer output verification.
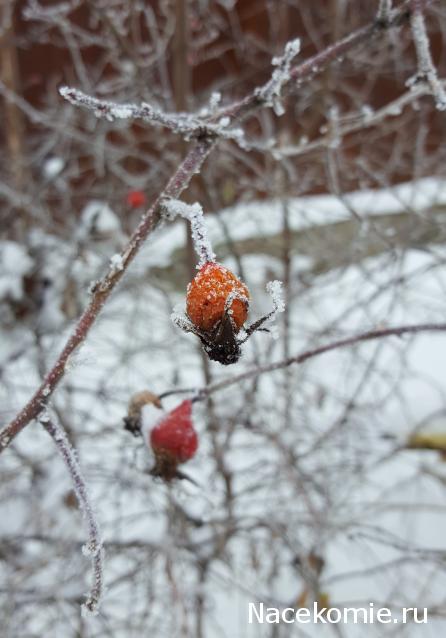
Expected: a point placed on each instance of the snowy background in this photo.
(312, 460)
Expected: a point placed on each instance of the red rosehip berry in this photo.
(136, 199)
(174, 440)
(207, 294)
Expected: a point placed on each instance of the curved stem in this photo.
(94, 547)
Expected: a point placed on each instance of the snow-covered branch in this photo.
(94, 547)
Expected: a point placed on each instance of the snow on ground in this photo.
(15, 263)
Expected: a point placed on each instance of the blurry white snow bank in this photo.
(99, 219)
(313, 210)
(264, 218)
(15, 263)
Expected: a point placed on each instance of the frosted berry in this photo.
(174, 440)
(136, 199)
(207, 294)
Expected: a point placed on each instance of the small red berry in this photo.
(136, 199)
(174, 440)
(207, 294)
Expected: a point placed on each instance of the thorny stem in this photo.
(177, 184)
(94, 546)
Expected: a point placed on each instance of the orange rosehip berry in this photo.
(207, 294)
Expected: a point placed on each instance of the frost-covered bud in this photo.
(143, 411)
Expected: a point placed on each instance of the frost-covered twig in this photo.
(316, 64)
(384, 10)
(177, 122)
(353, 123)
(34, 11)
(270, 93)
(94, 546)
(186, 124)
(194, 213)
(426, 69)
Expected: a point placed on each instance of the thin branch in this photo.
(426, 69)
(352, 124)
(94, 547)
(317, 64)
(186, 124)
(371, 335)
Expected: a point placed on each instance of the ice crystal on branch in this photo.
(194, 213)
(426, 69)
(214, 101)
(271, 92)
(186, 124)
(275, 289)
(177, 122)
(384, 10)
(116, 263)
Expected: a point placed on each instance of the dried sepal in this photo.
(132, 420)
